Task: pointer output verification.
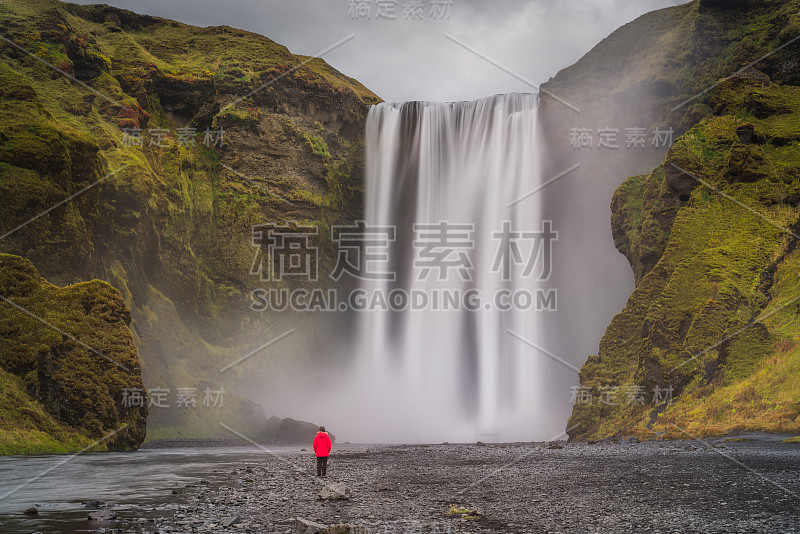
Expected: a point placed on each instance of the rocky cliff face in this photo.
(67, 362)
(183, 139)
(707, 342)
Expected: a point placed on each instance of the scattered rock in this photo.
(335, 492)
(102, 515)
(346, 529)
(480, 444)
(94, 505)
(554, 446)
(304, 526)
(31, 511)
(229, 521)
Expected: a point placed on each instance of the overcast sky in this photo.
(405, 59)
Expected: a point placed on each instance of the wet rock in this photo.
(335, 492)
(31, 511)
(102, 515)
(304, 526)
(94, 505)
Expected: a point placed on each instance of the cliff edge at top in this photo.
(180, 140)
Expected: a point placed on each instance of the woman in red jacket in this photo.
(322, 447)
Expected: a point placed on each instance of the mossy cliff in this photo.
(657, 69)
(169, 222)
(656, 72)
(66, 358)
(711, 235)
(661, 71)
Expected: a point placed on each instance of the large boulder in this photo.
(304, 526)
(271, 428)
(346, 529)
(335, 492)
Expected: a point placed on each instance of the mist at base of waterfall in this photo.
(446, 177)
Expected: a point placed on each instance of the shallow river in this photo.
(136, 482)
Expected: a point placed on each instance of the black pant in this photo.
(322, 466)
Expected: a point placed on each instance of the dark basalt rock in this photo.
(291, 431)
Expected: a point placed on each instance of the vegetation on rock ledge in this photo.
(169, 223)
(66, 357)
(712, 236)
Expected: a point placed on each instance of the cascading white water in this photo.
(430, 374)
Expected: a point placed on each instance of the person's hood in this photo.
(321, 432)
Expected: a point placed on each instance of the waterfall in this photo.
(450, 374)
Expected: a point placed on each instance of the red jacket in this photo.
(322, 444)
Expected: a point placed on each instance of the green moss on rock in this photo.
(170, 225)
(66, 357)
(714, 314)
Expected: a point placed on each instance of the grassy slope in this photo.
(694, 255)
(664, 58)
(55, 394)
(171, 228)
(722, 299)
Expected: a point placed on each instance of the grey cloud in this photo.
(412, 60)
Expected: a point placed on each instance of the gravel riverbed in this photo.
(710, 487)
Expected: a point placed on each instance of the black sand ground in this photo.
(709, 487)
